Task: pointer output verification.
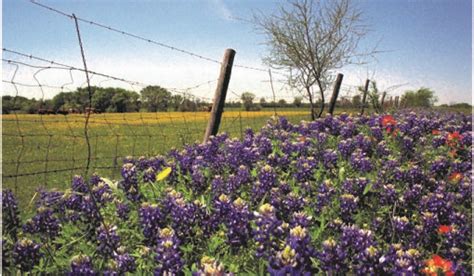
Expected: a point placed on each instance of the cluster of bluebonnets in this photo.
(365, 195)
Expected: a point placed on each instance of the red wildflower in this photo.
(443, 229)
(389, 123)
(388, 120)
(453, 138)
(438, 264)
(455, 177)
(435, 132)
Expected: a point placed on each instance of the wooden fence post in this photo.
(335, 93)
(364, 98)
(382, 102)
(219, 96)
(397, 98)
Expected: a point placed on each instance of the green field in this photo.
(47, 150)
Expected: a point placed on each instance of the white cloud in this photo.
(222, 10)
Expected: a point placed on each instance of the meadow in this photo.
(387, 194)
(56, 144)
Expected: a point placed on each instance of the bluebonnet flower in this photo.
(408, 144)
(121, 263)
(10, 213)
(381, 149)
(26, 254)
(217, 186)
(407, 262)
(44, 223)
(107, 240)
(102, 193)
(330, 159)
(332, 257)
(123, 210)
(301, 219)
(364, 144)
(51, 199)
(440, 166)
(150, 221)
(268, 230)
(238, 225)
(210, 266)
(300, 241)
(377, 133)
(266, 180)
(401, 224)
(168, 257)
(348, 130)
(129, 184)
(198, 180)
(222, 206)
(346, 147)
(430, 221)
(348, 204)
(183, 215)
(78, 185)
(367, 262)
(355, 186)
(388, 194)
(324, 194)
(82, 265)
(438, 141)
(149, 175)
(305, 168)
(360, 161)
(413, 194)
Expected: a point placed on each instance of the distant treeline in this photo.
(111, 99)
(158, 99)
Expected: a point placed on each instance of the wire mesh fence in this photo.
(47, 148)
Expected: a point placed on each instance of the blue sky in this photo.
(428, 43)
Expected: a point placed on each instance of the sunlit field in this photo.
(56, 143)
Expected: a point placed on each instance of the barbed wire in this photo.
(62, 66)
(149, 40)
(54, 144)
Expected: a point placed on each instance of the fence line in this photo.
(48, 150)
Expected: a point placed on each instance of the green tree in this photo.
(423, 97)
(155, 98)
(282, 103)
(247, 100)
(297, 101)
(176, 101)
(102, 99)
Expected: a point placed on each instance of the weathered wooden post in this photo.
(219, 96)
(366, 89)
(397, 98)
(335, 93)
(383, 100)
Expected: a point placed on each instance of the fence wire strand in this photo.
(47, 149)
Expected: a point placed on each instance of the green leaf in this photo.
(109, 182)
(367, 188)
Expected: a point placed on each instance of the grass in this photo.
(55, 143)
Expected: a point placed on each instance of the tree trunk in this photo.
(311, 103)
(321, 91)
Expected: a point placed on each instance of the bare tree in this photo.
(312, 38)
